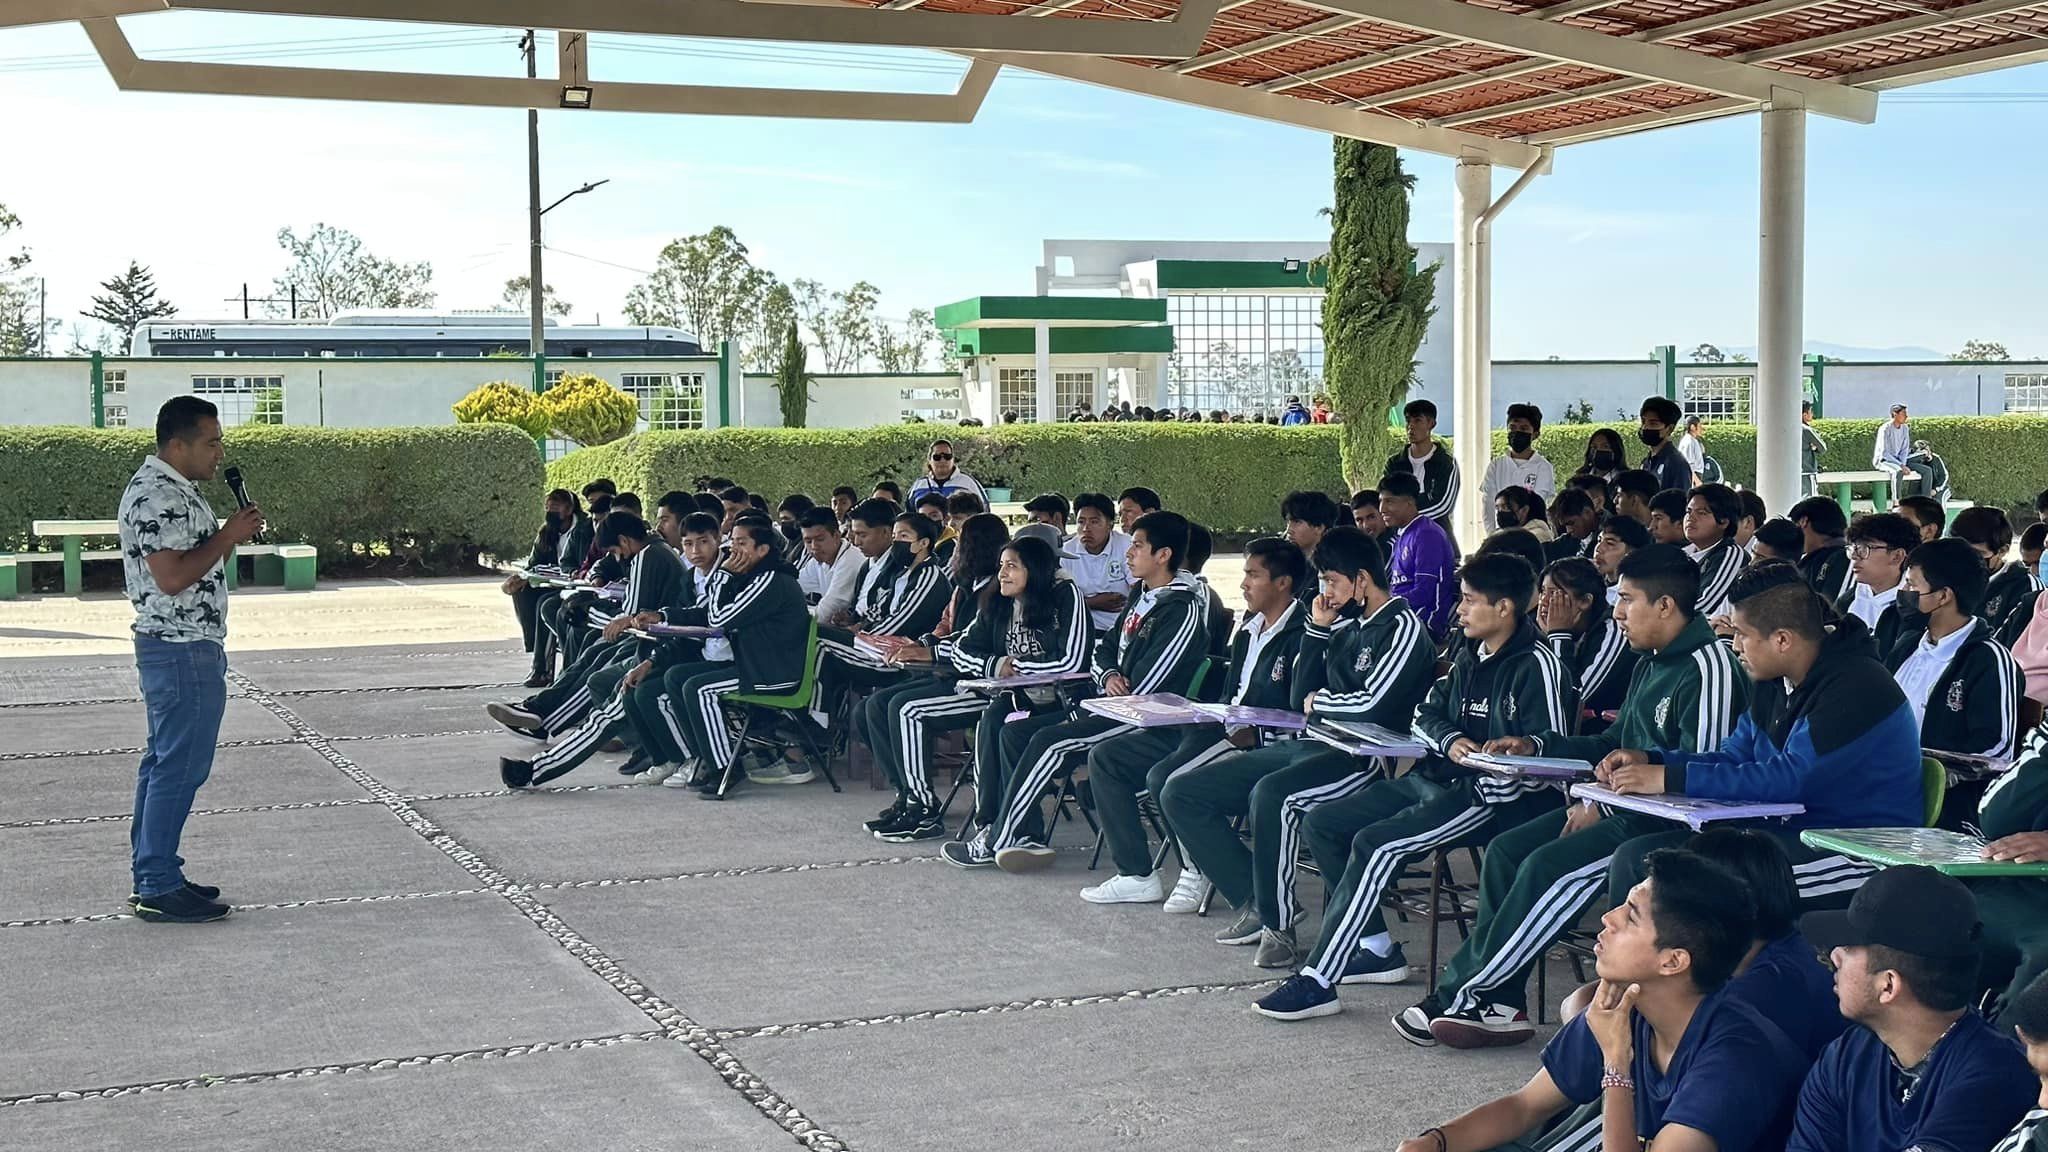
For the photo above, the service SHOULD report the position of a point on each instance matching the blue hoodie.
(1843, 743)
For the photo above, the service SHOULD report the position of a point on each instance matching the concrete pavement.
(420, 959)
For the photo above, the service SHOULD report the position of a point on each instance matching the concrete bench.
(295, 566)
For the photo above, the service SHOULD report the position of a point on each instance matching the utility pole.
(42, 316)
(537, 345)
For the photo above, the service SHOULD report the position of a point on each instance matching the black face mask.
(1908, 601)
(899, 555)
(1520, 441)
(1650, 436)
(1603, 461)
(793, 532)
(555, 521)
(1505, 519)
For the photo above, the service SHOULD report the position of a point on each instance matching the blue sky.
(1922, 229)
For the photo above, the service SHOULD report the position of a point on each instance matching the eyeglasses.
(1863, 551)
(942, 455)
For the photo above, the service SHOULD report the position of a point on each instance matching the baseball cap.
(1898, 407)
(1912, 909)
(1041, 531)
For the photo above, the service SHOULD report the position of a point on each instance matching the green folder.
(1952, 852)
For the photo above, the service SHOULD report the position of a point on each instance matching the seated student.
(1919, 1069)
(1663, 1057)
(1260, 674)
(1962, 685)
(1824, 555)
(1095, 559)
(1521, 465)
(656, 758)
(888, 490)
(2029, 1019)
(1878, 545)
(563, 538)
(754, 600)
(973, 575)
(1597, 489)
(1365, 658)
(1605, 457)
(1507, 682)
(1217, 618)
(1131, 503)
(1753, 516)
(1826, 728)
(655, 581)
(1517, 507)
(961, 506)
(906, 597)
(1537, 879)
(1050, 508)
(873, 535)
(1632, 492)
(932, 506)
(1580, 626)
(1366, 517)
(734, 502)
(1619, 536)
(2013, 816)
(2033, 545)
(1429, 463)
(1155, 645)
(831, 567)
(2009, 598)
(1711, 512)
(788, 520)
(1667, 517)
(1577, 524)
(567, 616)
(1926, 513)
(1308, 515)
(843, 500)
(1423, 560)
(1777, 539)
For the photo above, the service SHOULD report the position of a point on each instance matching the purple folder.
(1035, 680)
(698, 631)
(1157, 710)
(1691, 811)
(1241, 716)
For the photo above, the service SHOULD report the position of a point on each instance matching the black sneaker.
(888, 817)
(204, 891)
(917, 825)
(1414, 1021)
(639, 762)
(906, 817)
(516, 774)
(178, 907)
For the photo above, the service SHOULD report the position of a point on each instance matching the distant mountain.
(1839, 352)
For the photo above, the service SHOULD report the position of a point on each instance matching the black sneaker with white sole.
(919, 825)
(1483, 1026)
(1414, 1020)
(205, 892)
(888, 817)
(1368, 967)
(974, 853)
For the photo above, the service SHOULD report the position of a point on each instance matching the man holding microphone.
(172, 564)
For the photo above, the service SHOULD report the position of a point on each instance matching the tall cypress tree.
(1376, 303)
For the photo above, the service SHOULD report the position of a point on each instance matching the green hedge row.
(1229, 477)
(436, 495)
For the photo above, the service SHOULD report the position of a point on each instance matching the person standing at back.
(1430, 463)
(1521, 465)
(1659, 422)
(173, 557)
(943, 476)
(1810, 448)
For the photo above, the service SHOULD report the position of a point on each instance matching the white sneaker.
(1122, 889)
(683, 773)
(1188, 892)
(658, 773)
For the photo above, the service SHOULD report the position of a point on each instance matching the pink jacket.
(2030, 651)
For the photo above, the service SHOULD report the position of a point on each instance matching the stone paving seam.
(294, 694)
(1006, 1007)
(674, 1022)
(506, 1051)
(117, 817)
(261, 742)
(286, 906)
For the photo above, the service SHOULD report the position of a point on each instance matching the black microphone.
(233, 476)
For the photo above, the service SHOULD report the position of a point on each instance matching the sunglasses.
(942, 455)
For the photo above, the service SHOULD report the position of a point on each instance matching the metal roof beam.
(1541, 103)
(132, 73)
(1411, 51)
(1967, 63)
(1174, 39)
(22, 13)
(1321, 27)
(1163, 84)
(1536, 37)
(1719, 20)
(1918, 22)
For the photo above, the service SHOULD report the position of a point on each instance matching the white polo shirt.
(1096, 572)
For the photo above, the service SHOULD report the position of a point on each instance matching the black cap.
(1912, 909)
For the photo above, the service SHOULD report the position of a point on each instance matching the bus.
(405, 334)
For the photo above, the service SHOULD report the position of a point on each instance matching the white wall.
(1926, 389)
(851, 401)
(1556, 385)
(46, 392)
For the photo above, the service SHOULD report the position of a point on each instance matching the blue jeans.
(185, 688)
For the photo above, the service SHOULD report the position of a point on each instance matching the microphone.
(233, 476)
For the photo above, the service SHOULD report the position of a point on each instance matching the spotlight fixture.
(1290, 265)
(576, 96)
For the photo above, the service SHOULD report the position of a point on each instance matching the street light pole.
(537, 340)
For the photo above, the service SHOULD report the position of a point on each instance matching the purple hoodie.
(1423, 570)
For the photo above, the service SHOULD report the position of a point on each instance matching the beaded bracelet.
(1609, 1078)
(1443, 1143)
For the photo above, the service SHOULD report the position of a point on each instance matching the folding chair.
(798, 701)
(1934, 786)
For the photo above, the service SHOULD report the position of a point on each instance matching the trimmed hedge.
(1229, 477)
(435, 495)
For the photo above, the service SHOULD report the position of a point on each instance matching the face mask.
(899, 554)
(1650, 436)
(1603, 461)
(2043, 568)
(793, 532)
(1520, 441)
(554, 520)
(1909, 603)
(1505, 519)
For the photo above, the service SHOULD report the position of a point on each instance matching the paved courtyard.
(420, 959)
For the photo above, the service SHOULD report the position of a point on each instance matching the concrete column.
(1042, 349)
(1472, 399)
(1159, 381)
(1781, 300)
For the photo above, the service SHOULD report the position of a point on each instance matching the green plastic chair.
(797, 700)
(1934, 785)
(1195, 686)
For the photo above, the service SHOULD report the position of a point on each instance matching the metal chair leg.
(739, 745)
